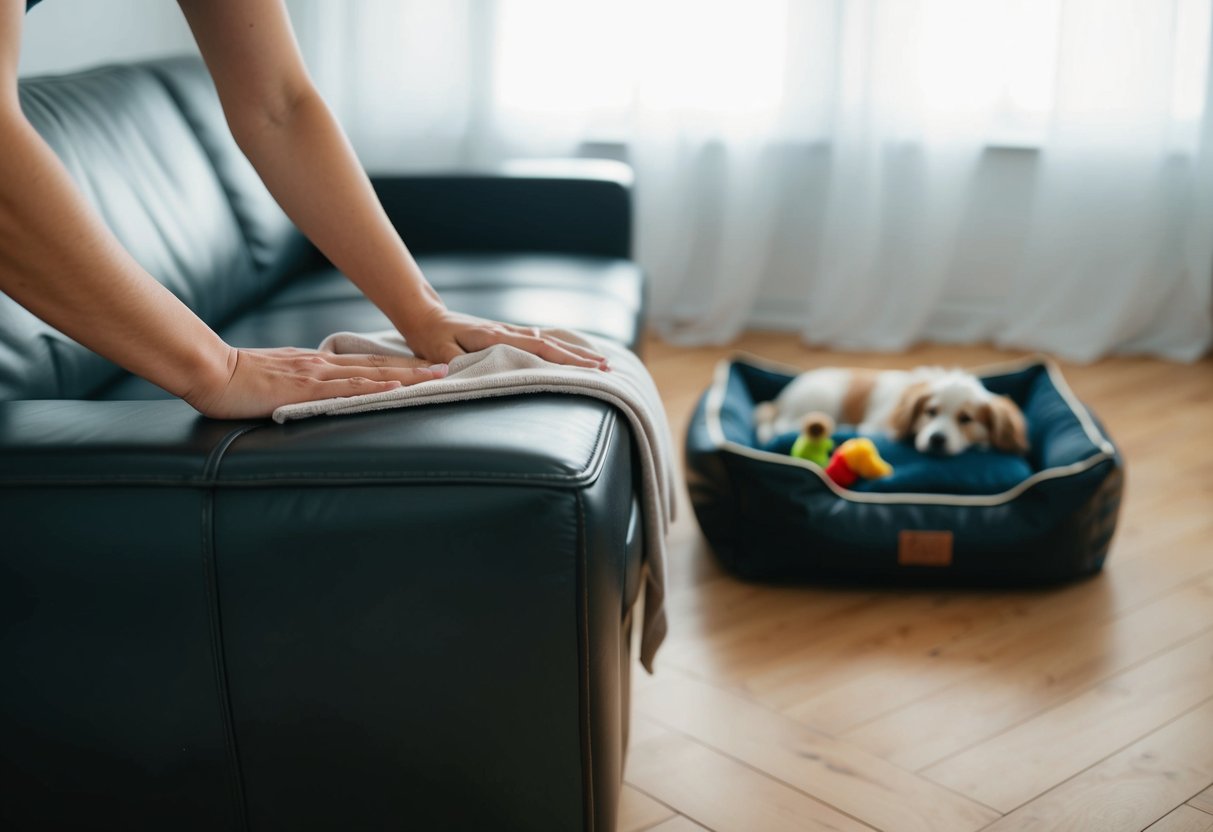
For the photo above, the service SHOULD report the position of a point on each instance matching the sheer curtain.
(1036, 173)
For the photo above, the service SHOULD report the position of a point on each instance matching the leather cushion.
(137, 161)
(273, 241)
(599, 295)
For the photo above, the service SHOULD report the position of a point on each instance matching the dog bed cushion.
(982, 516)
(976, 471)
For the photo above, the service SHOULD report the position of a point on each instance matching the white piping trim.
(715, 402)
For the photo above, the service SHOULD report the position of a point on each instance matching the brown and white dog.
(941, 411)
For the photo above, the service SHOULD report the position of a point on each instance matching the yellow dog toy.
(857, 458)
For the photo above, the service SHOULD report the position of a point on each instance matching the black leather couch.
(407, 620)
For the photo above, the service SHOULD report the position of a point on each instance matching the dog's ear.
(1008, 430)
(909, 407)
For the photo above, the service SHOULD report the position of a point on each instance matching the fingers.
(356, 372)
(361, 385)
(374, 360)
(449, 352)
(550, 350)
(346, 387)
(547, 348)
(331, 376)
(265, 379)
(400, 375)
(405, 375)
(400, 370)
(583, 352)
(576, 349)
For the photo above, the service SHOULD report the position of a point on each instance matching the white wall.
(63, 35)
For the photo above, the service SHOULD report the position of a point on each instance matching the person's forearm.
(303, 157)
(59, 261)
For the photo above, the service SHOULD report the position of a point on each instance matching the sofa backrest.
(274, 243)
(149, 149)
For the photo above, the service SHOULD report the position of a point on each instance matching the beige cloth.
(506, 371)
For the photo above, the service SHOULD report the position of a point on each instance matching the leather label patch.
(924, 548)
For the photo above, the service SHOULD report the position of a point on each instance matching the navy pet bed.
(980, 518)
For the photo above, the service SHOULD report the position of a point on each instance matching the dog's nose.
(937, 441)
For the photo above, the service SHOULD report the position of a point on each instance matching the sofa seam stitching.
(218, 651)
(218, 657)
(319, 477)
(210, 469)
(584, 627)
(421, 475)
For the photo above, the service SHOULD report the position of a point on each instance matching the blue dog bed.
(982, 517)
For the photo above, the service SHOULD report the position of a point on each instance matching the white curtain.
(1035, 173)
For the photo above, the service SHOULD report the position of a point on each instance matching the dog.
(941, 411)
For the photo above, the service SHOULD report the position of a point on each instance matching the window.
(793, 66)
(604, 62)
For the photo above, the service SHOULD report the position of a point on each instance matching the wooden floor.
(1088, 707)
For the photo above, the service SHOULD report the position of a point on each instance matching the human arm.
(58, 260)
(289, 135)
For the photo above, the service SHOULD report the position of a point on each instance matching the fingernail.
(439, 369)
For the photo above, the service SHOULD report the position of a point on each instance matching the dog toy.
(857, 459)
(814, 442)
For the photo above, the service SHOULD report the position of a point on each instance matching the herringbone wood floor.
(1088, 707)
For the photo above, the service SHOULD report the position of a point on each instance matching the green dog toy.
(814, 442)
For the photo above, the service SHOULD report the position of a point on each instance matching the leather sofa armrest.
(573, 206)
(286, 607)
(85, 442)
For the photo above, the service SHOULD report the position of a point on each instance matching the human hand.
(260, 380)
(440, 335)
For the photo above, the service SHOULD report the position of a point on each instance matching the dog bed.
(979, 518)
